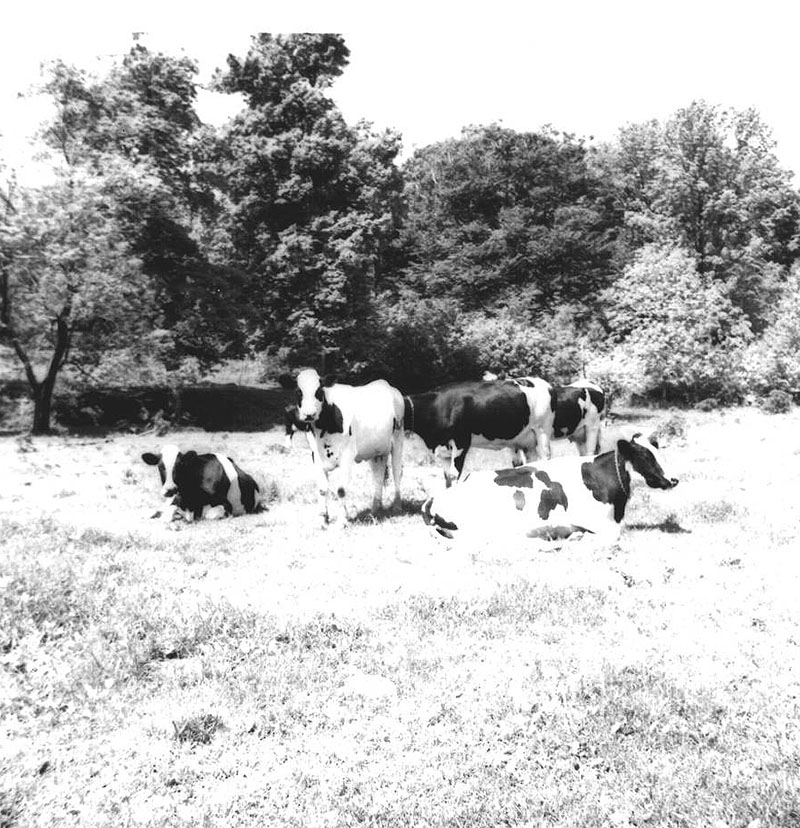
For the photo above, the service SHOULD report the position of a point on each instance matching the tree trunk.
(42, 392)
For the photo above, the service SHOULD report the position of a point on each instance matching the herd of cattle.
(538, 497)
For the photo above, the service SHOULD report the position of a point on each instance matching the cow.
(552, 499)
(204, 485)
(350, 424)
(521, 414)
(577, 414)
(493, 414)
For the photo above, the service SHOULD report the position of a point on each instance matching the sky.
(427, 69)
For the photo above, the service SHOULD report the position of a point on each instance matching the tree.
(311, 203)
(676, 324)
(71, 284)
(499, 219)
(142, 111)
(708, 180)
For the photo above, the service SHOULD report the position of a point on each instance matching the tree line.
(663, 262)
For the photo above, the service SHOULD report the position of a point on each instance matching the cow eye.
(299, 396)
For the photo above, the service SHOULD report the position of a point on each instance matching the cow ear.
(151, 459)
(328, 380)
(288, 380)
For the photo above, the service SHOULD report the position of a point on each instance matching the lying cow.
(521, 414)
(549, 499)
(204, 485)
(350, 424)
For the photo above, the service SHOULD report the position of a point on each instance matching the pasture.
(264, 670)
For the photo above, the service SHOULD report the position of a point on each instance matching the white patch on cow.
(169, 454)
(234, 496)
(309, 407)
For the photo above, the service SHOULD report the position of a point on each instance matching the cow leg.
(397, 465)
(346, 461)
(518, 457)
(543, 445)
(378, 466)
(591, 441)
(459, 457)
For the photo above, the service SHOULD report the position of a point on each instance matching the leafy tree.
(71, 284)
(311, 203)
(676, 324)
(142, 111)
(499, 219)
(708, 180)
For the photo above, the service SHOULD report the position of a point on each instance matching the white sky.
(430, 68)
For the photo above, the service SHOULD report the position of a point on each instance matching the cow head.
(166, 461)
(643, 456)
(311, 394)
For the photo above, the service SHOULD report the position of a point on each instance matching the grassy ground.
(267, 671)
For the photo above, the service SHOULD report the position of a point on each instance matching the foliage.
(504, 219)
(310, 203)
(773, 360)
(680, 327)
(708, 180)
(777, 402)
(71, 283)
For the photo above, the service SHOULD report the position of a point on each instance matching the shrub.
(708, 404)
(777, 402)
(673, 428)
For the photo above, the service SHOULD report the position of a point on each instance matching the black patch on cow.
(340, 491)
(442, 526)
(597, 397)
(519, 478)
(552, 495)
(330, 420)
(248, 488)
(601, 479)
(569, 413)
(519, 499)
(496, 410)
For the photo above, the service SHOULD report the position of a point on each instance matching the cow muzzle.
(169, 490)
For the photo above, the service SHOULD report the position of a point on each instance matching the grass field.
(267, 671)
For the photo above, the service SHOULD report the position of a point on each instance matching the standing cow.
(521, 414)
(350, 424)
(576, 412)
(204, 485)
(549, 499)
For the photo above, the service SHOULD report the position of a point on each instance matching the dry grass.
(268, 671)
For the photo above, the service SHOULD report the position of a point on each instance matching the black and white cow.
(521, 414)
(577, 414)
(350, 424)
(494, 414)
(550, 499)
(204, 485)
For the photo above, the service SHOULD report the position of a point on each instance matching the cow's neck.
(608, 481)
(330, 419)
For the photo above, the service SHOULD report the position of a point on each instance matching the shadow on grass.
(408, 507)
(669, 525)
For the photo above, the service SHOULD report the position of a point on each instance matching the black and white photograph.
(399, 415)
